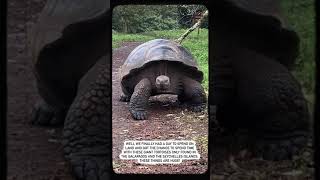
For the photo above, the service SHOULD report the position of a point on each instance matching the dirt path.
(166, 121)
(34, 153)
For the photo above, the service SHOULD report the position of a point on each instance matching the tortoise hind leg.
(43, 114)
(193, 94)
(125, 96)
(50, 110)
(87, 129)
(139, 99)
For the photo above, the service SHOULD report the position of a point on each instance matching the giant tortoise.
(69, 46)
(252, 87)
(161, 66)
(249, 78)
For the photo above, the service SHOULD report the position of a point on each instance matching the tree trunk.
(196, 25)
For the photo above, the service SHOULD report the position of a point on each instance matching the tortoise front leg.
(193, 94)
(139, 99)
(86, 133)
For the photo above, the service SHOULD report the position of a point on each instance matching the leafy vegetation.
(300, 16)
(196, 43)
(141, 18)
(145, 18)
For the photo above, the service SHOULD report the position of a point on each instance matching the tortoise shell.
(159, 50)
(260, 25)
(57, 15)
(67, 40)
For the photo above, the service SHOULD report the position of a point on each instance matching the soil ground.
(35, 153)
(167, 120)
(231, 159)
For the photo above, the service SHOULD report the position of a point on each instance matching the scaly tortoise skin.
(161, 66)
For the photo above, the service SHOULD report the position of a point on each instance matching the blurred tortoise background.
(250, 83)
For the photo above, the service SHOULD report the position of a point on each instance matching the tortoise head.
(163, 83)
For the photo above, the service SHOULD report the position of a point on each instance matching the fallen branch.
(196, 25)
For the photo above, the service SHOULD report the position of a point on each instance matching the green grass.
(117, 38)
(196, 44)
(300, 16)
